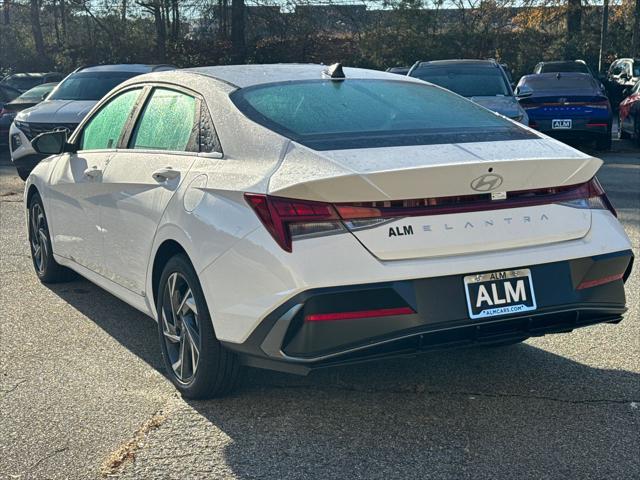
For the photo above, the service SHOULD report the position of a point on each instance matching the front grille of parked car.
(32, 130)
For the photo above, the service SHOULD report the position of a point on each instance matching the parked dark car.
(6, 95)
(26, 81)
(564, 66)
(629, 115)
(568, 106)
(28, 99)
(481, 81)
(622, 75)
(399, 70)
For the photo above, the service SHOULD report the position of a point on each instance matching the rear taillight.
(600, 105)
(590, 195)
(286, 219)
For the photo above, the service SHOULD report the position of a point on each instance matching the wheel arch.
(30, 193)
(167, 249)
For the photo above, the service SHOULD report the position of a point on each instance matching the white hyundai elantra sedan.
(296, 216)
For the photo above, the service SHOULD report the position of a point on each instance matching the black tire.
(604, 142)
(622, 135)
(184, 320)
(47, 269)
(23, 172)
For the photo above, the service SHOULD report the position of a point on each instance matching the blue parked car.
(567, 106)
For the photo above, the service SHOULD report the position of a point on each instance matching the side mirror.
(523, 91)
(44, 96)
(52, 143)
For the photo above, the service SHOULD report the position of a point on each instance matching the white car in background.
(66, 106)
(296, 216)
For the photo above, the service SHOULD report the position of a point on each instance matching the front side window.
(105, 127)
(167, 122)
(361, 113)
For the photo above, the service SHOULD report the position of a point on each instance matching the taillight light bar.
(474, 203)
(286, 219)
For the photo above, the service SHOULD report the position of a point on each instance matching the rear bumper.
(285, 341)
(582, 128)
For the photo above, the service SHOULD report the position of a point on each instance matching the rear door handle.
(92, 172)
(166, 173)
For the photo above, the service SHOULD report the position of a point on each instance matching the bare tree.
(238, 46)
(36, 27)
(635, 49)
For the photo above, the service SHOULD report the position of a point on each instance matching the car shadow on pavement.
(512, 412)
(129, 327)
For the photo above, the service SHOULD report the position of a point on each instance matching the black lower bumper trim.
(285, 341)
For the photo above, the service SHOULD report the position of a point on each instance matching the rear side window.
(105, 127)
(167, 122)
(361, 113)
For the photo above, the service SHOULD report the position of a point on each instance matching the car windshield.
(36, 93)
(365, 113)
(636, 69)
(465, 80)
(89, 85)
(23, 82)
(564, 67)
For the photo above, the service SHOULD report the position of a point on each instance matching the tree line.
(38, 35)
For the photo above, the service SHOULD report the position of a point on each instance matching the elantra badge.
(486, 182)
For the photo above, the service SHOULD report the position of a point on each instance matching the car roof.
(31, 74)
(460, 61)
(563, 61)
(125, 67)
(558, 75)
(243, 76)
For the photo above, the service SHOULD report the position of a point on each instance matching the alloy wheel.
(39, 237)
(181, 327)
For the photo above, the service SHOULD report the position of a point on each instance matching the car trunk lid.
(466, 182)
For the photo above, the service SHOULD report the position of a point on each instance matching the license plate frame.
(562, 124)
(500, 299)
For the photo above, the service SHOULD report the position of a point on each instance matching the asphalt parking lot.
(83, 394)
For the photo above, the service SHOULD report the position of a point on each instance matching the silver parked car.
(483, 81)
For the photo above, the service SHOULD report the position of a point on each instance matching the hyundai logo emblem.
(486, 182)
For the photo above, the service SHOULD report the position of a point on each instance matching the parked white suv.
(66, 106)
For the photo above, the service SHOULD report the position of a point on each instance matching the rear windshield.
(36, 93)
(327, 115)
(89, 85)
(564, 67)
(466, 80)
(575, 83)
